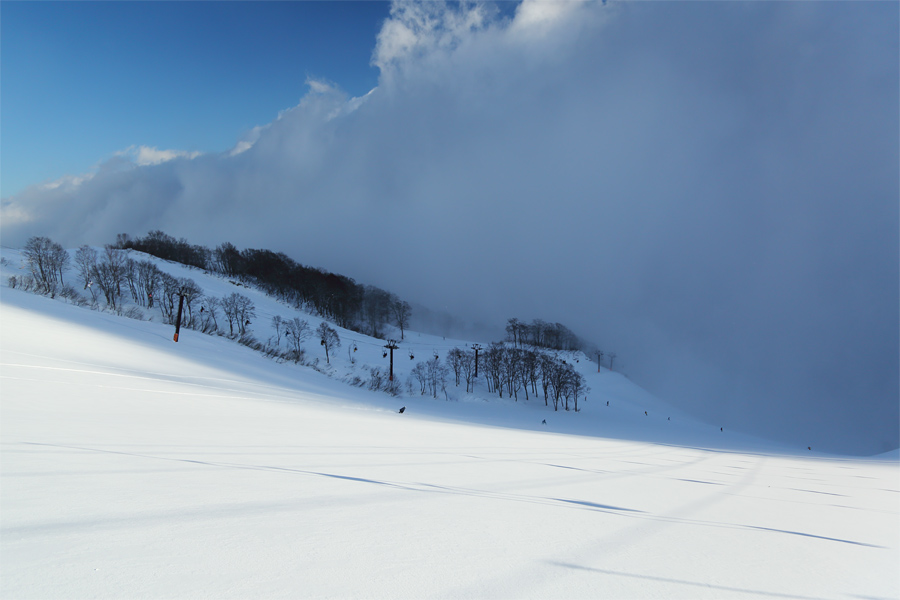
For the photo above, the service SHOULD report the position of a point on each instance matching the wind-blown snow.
(135, 467)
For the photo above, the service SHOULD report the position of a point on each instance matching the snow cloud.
(709, 189)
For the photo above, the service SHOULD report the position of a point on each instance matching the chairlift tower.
(392, 345)
(178, 318)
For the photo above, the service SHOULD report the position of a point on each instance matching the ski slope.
(135, 467)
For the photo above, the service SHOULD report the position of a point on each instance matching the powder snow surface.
(134, 467)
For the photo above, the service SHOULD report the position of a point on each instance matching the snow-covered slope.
(615, 406)
(133, 466)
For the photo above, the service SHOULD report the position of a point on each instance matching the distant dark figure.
(720, 429)
(607, 402)
(809, 448)
(670, 418)
(402, 409)
(645, 413)
(544, 422)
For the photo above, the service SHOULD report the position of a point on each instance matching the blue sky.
(82, 80)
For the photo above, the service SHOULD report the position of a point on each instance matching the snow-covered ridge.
(614, 406)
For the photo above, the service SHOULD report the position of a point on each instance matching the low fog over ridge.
(709, 189)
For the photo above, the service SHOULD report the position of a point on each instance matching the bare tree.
(123, 240)
(420, 373)
(167, 296)
(467, 364)
(455, 360)
(246, 311)
(229, 309)
(227, 259)
(86, 262)
(545, 364)
(514, 331)
(578, 386)
(492, 366)
(437, 375)
(59, 260)
(529, 367)
(296, 331)
(328, 338)
(191, 293)
(38, 258)
(510, 359)
(238, 309)
(47, 262)
(143, 279)
(232, 308)
(131, 278)
(278, 325)
(402, 311)
(556, 377)
(109, 274)
(149, 279)
(209, 308)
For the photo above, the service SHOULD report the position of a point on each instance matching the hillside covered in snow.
(135, 466)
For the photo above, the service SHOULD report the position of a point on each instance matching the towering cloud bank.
(710, 189)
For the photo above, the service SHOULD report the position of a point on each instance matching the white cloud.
(417, 28)
(15, 214)
(248, 140)
(320, 86)
(67, 182)
(149, 155)
(534, 15)
(241, 146)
